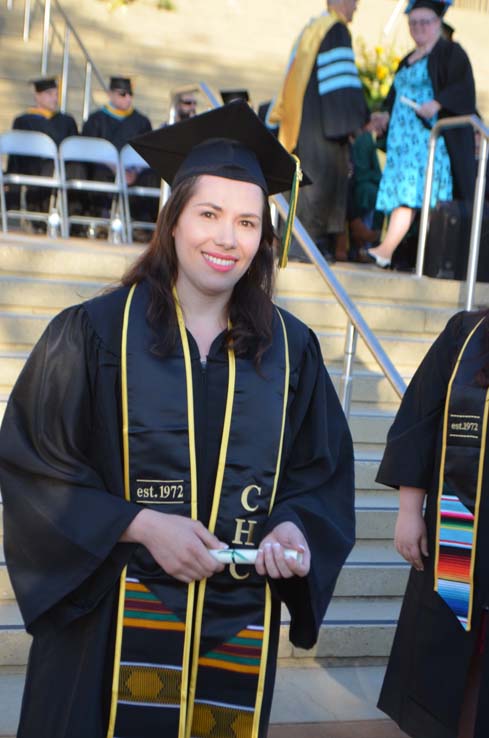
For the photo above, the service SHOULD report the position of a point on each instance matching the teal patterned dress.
(403, 178)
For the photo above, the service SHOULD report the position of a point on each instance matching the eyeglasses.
(422, 22)
(123, 93)
(188, 102)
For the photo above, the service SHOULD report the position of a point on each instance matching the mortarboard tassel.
(294, 193)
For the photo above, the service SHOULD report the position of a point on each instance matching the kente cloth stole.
(460, 481)
(287, 108)
(190, 661)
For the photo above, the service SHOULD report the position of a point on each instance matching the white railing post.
(87, 91)
(425, 210)
(27, 21)
(66, 69)
(475, 231)
(346, 381)
(45, 37)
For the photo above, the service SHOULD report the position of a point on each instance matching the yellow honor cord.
(294, 194)
(127, 496)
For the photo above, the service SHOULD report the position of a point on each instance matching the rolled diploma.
(247, 555)
(410, 103)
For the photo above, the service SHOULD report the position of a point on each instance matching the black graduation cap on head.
(230, 142)
(439, 7)
(44, 83)
(121, 83)
(230, 95)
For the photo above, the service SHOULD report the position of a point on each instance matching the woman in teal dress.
(436, 78)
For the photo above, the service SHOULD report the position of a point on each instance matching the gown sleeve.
(409, 455)
(456, 88)
(61, 523)
(317, 494)
(343, 108)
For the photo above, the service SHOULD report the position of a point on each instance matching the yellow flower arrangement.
(376, 68)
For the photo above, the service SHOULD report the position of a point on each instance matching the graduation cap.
(44, 83)
(439, 7)
(229, 142)
(230, 95)
(121, 83)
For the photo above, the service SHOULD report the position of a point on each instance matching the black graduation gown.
(428, 665)
(327, 121)
(454, 88)
(101, 124)
(58, 127)
(119, 132)
(62, 484)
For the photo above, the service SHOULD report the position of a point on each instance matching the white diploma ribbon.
(410, 103)
(247, 555)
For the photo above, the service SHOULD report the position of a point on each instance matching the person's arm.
(314, 507)
(410, 453)
(179, 545)
(410, 536)
(455, 86)
(271, 560)
(62, 522)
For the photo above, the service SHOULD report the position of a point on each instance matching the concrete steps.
(39, 277)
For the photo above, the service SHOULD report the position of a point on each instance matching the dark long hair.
(250, 309)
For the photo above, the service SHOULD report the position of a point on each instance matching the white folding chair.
(90, 150)
(32, 144)
(130, 159)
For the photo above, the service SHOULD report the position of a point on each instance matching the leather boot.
(362, 235)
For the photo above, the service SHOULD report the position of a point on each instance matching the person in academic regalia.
(43, 117)
(438, 672)
(179, 413)
(437, 76)
(118, 121)
(320, 104)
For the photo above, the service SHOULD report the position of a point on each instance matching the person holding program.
(178, 418)
(434, 81)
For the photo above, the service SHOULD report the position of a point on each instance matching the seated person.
(118, 122)
(185, 106)
(44, 117)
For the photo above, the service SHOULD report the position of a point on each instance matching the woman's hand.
(270, 559)
(410, 536)
(379, 122)
(179, 545)
(428, 109)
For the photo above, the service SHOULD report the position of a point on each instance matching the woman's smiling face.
(218, 234)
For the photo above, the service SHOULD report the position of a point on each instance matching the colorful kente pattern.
(214, 720)
(149, 685)
(241, 653)
(142, 609)
(455, 555)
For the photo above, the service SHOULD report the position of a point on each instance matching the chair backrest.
(86, 148)
(130, 158)
(28, 143)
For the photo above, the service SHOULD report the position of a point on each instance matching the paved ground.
(349, 729)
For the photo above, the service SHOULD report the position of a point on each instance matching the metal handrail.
(65, 40)
(478, 207)
(353, 314)
(356, 324)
